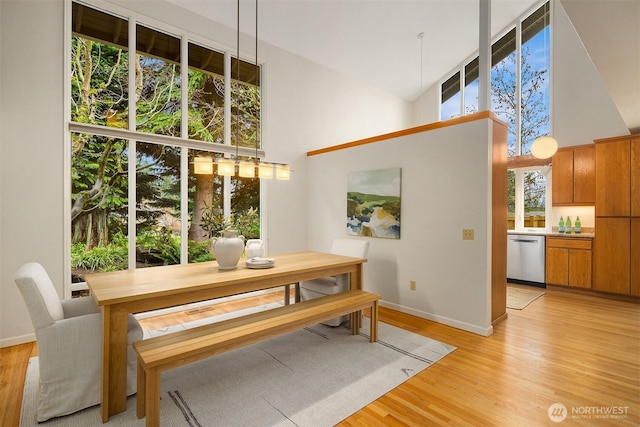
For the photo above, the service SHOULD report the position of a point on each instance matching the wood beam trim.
(423, 128)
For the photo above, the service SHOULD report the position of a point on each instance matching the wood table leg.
(287, 290)
(141, 391)
(373, 323)
(114, 362)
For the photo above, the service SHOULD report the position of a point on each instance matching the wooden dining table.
(120, 293)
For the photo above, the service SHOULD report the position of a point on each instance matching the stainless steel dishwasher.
(526, 258)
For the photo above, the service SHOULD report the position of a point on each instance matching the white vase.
(227, 249)
(254, 248)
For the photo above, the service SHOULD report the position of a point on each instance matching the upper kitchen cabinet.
(574, 176)
(635, 176)
(613, 182)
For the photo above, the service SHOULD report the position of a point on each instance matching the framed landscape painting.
(373, 203)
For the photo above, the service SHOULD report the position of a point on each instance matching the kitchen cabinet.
(635, 177)
(616, 247)
(635, 256)
(613, 184)
(611, 247)
(574, 176)
(569, 261)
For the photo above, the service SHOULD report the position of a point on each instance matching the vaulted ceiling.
(377, 40)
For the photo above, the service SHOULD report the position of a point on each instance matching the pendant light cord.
(257, 82)
(237, 80)
(421, 37)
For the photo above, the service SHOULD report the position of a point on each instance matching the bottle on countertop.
(578, 225)
(567, 226)
(561, 226)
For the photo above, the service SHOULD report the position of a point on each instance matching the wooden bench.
(176, 349)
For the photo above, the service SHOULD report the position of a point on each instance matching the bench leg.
(152, 398)
(140, 393)
(373, 322)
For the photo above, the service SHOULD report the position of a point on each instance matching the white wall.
(31, 154)
(306, 106)
(445, 188)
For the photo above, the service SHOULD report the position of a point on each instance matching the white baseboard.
(23, 339)
(476, 329)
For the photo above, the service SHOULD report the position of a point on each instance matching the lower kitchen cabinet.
(612, 257)
(568, 261)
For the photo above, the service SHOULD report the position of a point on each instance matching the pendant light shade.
(265, 171)
(282, 172)
(544, 147)
(247, 169)
(203, 166)
(226, 167)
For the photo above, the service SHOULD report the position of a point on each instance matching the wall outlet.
(412, 285)
(467, 234)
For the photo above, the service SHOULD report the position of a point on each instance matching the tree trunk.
(202, 200)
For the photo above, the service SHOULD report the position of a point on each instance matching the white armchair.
(315, 288)
(69, 340)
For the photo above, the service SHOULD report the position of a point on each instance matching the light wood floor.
(577, 350)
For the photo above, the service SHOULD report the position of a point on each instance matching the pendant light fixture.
(244, 168)
(544, 147)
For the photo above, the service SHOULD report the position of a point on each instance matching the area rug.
(518, 298)
(313, 377)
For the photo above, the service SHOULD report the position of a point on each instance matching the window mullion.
(226, 199)
(518, 89)
(132, 196)
(184, 152)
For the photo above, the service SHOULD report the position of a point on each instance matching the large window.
(135, 131)
(520, 65)
(520, 62)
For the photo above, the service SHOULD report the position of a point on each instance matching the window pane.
(245, 206)
(450, 105)
(471, 82)
(99, 202)
(511, 199)
(157, 205)
(245, 105)
(206, 207)
(503, 85)
(535, 67)
(158, 82)
(99, 93)
(535, 187)
(206, 94)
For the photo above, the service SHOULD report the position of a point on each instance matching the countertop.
(587, 233)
